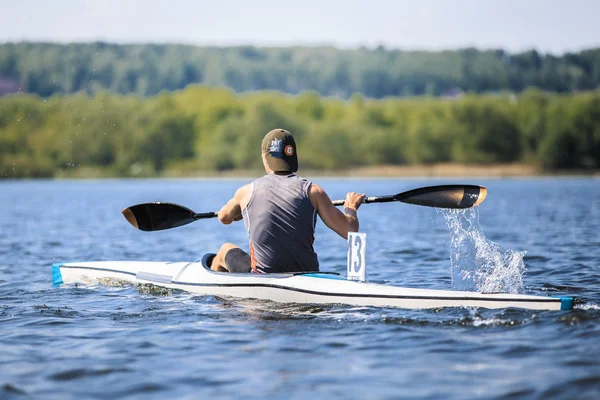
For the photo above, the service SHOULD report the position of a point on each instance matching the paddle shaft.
(214, 214)
(374, 199)
(211, 214)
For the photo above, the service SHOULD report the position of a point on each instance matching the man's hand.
(353, 201)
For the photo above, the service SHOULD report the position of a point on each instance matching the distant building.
(9, 86)
(454, 93)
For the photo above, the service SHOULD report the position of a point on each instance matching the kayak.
(306, 288)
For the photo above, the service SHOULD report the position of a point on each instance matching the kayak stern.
(566, 303)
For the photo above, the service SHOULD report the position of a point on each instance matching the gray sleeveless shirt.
(280, 220)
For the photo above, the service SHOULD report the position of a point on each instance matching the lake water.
(60, 342)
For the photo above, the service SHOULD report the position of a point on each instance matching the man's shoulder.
(306, 180)
(244, 191)
(317, 195)
(315, 188)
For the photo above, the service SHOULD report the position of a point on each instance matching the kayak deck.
(313, 288)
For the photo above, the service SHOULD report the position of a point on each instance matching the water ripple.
(123, 341)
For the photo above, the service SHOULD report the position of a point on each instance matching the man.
(280, 212)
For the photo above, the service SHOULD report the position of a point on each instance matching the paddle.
(159, 215)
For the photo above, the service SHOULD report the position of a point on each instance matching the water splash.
(587, 306)
(478, 264)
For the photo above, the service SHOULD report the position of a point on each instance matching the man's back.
(280, 220)
(280, 212)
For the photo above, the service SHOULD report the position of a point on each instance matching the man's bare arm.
(339, 222)
(232, 211)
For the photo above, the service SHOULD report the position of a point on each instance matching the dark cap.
(279, 148)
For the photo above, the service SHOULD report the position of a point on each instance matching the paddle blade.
(158, 216)
(445, 196)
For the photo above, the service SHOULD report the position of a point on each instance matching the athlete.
(279, 212)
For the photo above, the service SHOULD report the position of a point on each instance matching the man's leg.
(218, 263)
(231, 258)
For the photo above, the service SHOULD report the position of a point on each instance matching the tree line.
(213, 129)
(48, 68)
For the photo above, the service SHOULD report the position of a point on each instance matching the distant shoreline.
(450, 170)
(407, 171)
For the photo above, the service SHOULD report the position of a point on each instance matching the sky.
(549, 26)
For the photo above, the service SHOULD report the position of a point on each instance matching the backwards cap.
(279, 148)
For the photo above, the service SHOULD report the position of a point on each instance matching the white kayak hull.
(310, 288)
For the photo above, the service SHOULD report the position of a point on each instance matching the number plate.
(357, 250)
